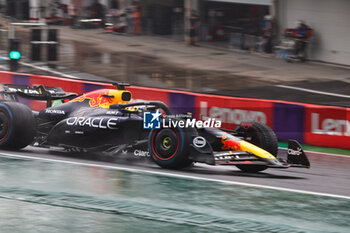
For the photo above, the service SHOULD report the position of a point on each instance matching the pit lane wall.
(310, 124)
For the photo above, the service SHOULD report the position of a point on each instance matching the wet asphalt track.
(327, 175)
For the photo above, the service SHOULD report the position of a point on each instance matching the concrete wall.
(330, 20)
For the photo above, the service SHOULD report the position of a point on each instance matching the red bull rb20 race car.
(108, 122)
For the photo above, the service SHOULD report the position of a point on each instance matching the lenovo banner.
(327, 126)
(232, 111)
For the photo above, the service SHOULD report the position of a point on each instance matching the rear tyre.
(262, 136)
(169, 148)
(17, 125)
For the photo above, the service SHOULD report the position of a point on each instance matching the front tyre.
(169, 147)
(17, 125)
(262, 136)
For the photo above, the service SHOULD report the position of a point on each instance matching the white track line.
(177, 175)
(50, 70)
(314, 91)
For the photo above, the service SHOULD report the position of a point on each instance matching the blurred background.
(227, 23)
(231, 47)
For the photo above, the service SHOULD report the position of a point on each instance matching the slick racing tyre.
(17, 125)
(169, 147)
(262, 136)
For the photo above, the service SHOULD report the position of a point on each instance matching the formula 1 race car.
(106, 121)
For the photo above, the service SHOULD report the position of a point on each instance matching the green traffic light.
(15, 55)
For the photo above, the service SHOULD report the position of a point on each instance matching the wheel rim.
(165, 144)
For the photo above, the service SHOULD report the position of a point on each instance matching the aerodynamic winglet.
(296, 155)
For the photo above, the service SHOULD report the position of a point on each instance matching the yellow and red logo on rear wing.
(104, 98)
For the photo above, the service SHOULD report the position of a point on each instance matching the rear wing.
(11, 92)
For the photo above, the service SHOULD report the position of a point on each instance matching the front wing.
(295, 157)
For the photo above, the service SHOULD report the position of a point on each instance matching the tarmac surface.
(328, 174)
(164, 63)
(49, 192)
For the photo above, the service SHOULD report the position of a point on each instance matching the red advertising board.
(68, 85)
(327, 126)
(6, 77)
(232, 111)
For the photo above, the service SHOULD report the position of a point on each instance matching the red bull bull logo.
(230, 144)
(96, 98)
(100, 101)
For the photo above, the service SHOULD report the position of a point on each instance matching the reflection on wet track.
(42, 196)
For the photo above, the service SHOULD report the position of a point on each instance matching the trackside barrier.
(21, 80)
(327, 126)
(310, 124)
(182, 103)
(232, 111)
(289, 121)
(6, 77)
